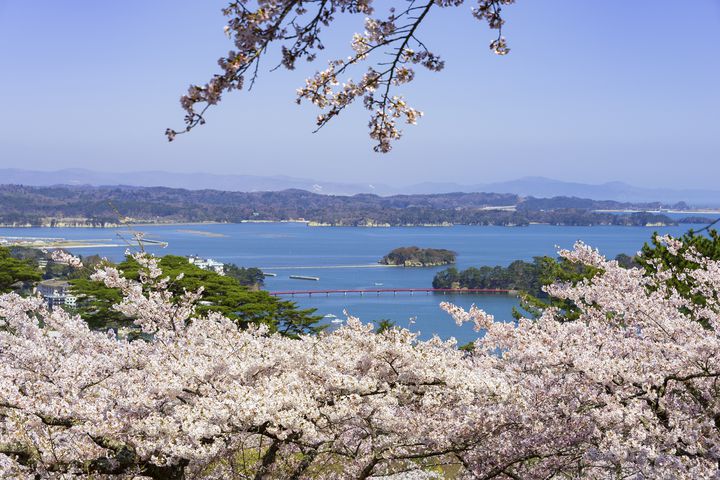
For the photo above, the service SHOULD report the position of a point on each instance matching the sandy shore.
(201, 233)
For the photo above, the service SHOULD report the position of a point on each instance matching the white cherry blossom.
(628, 390)
(391, 44)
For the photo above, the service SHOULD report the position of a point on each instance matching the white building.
(208, 264)
(56, 292)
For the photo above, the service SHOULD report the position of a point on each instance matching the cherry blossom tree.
(390, 45)
(627, 390)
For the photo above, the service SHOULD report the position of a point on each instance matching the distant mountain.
(618, 191)
(547, 187)
(527, 186)
(22, 205)
(190, 181)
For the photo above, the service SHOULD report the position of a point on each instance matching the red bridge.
(394, 291)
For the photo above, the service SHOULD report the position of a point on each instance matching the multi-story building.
(56, 292)
(208, 264)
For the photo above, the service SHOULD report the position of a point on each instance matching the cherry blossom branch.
(253, 31)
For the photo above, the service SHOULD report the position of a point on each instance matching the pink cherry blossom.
(628, 390)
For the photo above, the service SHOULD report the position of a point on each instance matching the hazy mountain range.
(527, 186)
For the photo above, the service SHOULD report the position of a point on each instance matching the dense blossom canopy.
(628, 390)
(389, 43)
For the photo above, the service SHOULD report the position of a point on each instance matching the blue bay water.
(346, 258)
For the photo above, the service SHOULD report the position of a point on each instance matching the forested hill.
(78, 205)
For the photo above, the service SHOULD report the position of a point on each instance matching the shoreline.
(99, 245)
(119, 226)
(687, 212)
(307, 223)
(180, 224)
(55, 245)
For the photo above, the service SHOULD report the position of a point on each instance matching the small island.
(418, 257)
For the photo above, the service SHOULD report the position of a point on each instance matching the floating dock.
(304, 277)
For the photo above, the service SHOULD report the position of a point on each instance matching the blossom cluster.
(391, 43)
(628, 390)
(63, 257)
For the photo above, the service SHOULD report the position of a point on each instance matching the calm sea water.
(346, 258)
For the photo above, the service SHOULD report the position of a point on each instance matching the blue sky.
(592, 91)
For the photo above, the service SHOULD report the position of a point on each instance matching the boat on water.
(330, 315)
(337, 320)
(378, 284)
